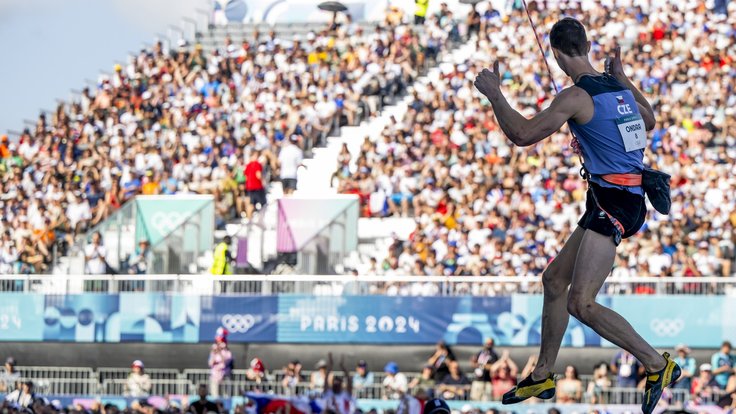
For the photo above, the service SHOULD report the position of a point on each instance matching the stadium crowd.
(185, 121)
(491, 373)
(484, 207)
(228, 121)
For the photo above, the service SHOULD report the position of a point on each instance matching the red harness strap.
(626, 180)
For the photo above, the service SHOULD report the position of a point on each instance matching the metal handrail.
(448, 285)
(368, 278)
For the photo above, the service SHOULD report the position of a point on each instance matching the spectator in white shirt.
(659, 262)
(395, 383)
(94, 254)
(290, 159)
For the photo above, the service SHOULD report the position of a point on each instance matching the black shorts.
(628, 208)
(257, 197)
(418, 19)
(289, 183)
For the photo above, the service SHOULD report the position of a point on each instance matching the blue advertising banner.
(697, 321)
(128, 317)
(21, 317)
(510, 320)
(247, 318)
(513, 320)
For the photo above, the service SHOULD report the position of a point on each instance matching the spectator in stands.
(439, 360)
(203, 405)
(9, 256)
(24, 396)
(705, 385)
(723, 364)
(455, 385)
(688, 366)
(182, 120)
(503, 375)
(569, 388)
(338, 397)
(412, 404)
(139, 261)
(395, 382)
(292, 376)
(94, 255)
(138, 383)
(257, 371)
(446, 126)
(254, 184)
(600, 383)
(290, 159)
(481, 364)
(9, 376)
(222, 258)
(424, 381)
(220, 362)
(317, 378)
(627, 369)
(363, 378)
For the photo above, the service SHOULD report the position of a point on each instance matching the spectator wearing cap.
(24, 396)
(704, 385)
(688, 366)
(220, 362)
(363, 378)
(139, 261)
(9, 376)
(256, 372)
(317, 379)
(723, 363)
(138, 383)
(395, 383)
(290, 159)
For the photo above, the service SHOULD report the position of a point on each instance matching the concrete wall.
(274, 356)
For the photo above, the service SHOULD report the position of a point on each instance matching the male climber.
(609, 117)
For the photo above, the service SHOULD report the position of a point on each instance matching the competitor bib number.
(633, 132)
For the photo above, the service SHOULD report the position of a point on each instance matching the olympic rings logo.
(238, 323)
(667, 327)
(165, 222)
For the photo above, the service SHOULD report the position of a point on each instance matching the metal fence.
(113, 374)
(112, 381)
(337, 285)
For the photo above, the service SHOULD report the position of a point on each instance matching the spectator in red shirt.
(254, 184)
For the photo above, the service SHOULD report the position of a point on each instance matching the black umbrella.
(333, 6)
(473, 2)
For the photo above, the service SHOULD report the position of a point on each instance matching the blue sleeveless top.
(600, 140)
